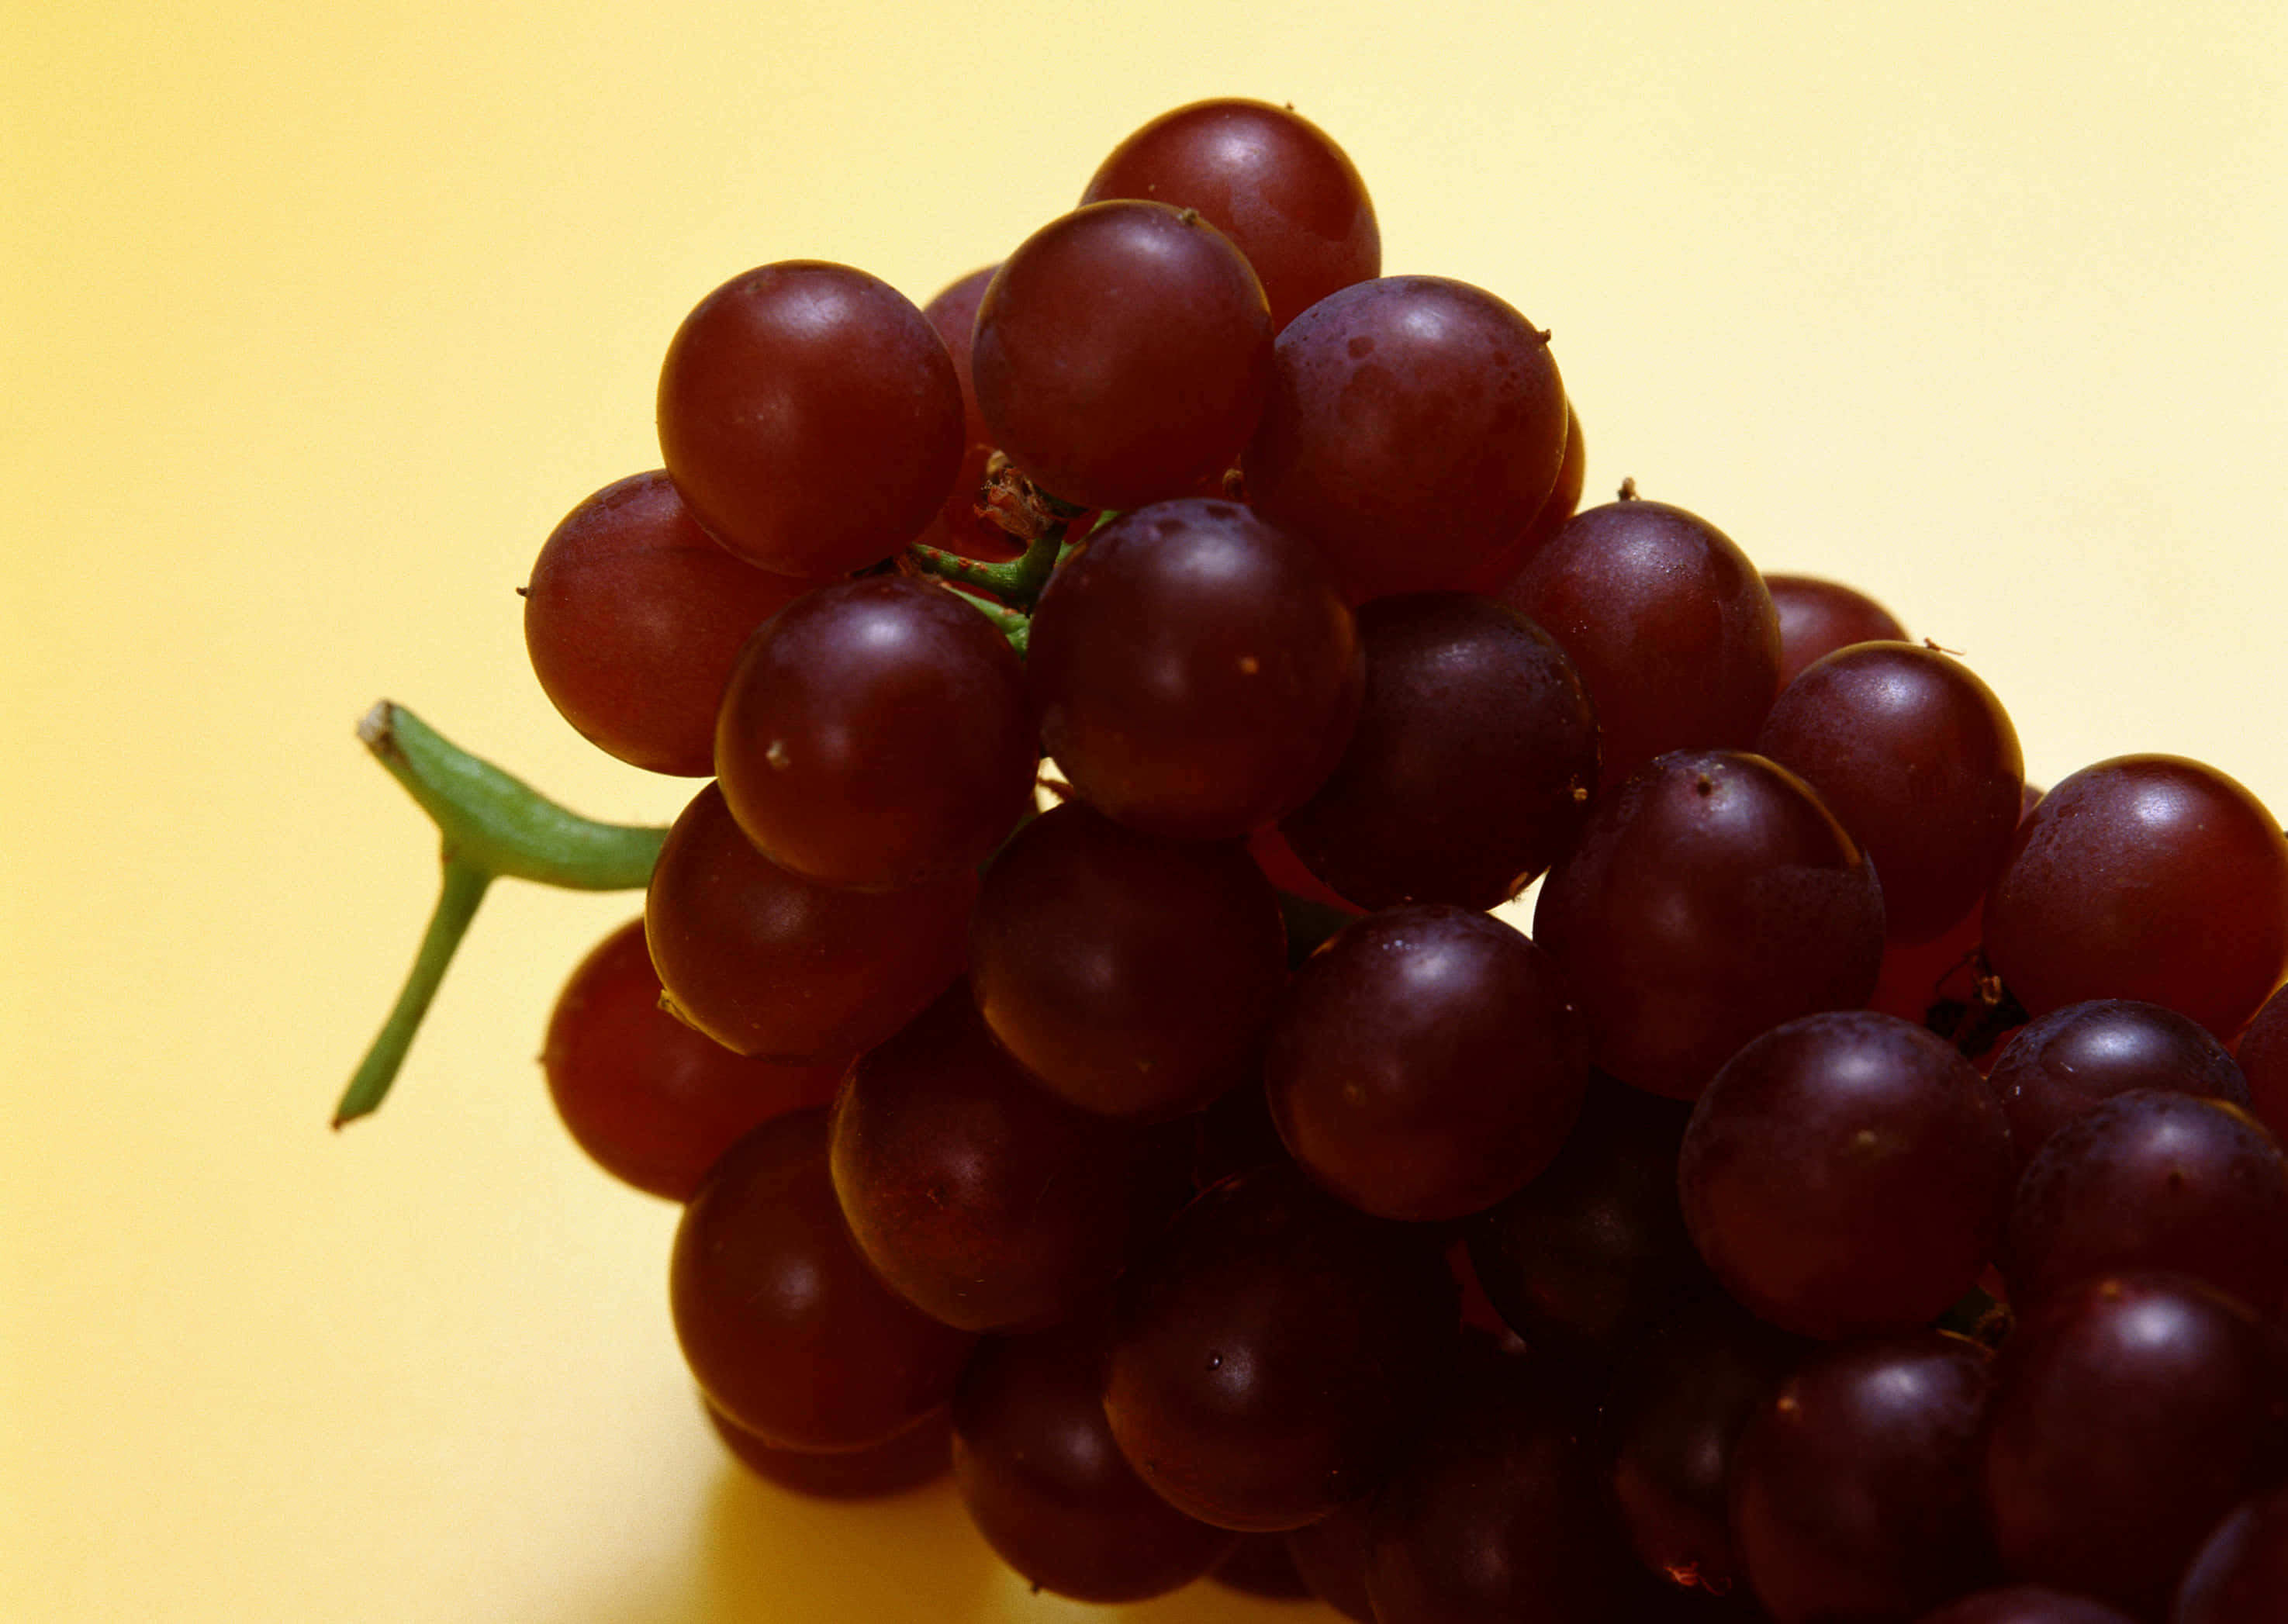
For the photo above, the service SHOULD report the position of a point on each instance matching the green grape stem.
(492, 826)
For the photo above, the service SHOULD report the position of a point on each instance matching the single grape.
(921, 1453)
(876, 735)
(1194, 672)
(2132, 1412)
(1854, 1486)
(1415, 426)
(1274, 1351)
(977, 1196)
(1122, 354)
(1818, 617)
(1470, 768)
(1915, 756)
(1426, 1062)
(1847, 1174)
(1042, 1479)
(1132, 976)
(2150, 877)
(766, 962)
(2154, 1179)
(784, 1326)
(2063, 1063)
(1675, 636)
(810, 417)
(652, 1101)
(633, 617)
(1268, 178)
(1710, 898)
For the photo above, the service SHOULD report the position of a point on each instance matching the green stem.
(456, 905)
(493, 825)
(1016, 582)
(1015, 624)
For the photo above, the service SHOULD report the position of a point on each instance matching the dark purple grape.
(1917, 759)
(2150, 877)
(1195, 674)
(921, 1453)
(1854, 1484)
(766, 962)
(1494, 1516)
(633, 617)
(1132, 976)
(876, 735)
(1040, 1476)
(2240, 1574)
(1471, 765)
(1274, 1351)
(1818, 617)
(1664, 1441)
(1674, 632)
(2063, 1063)
(1592, 1254)
(1268, 178)
(1122, 354)
(650, 1100)
(1847, 1174)
(2154, 1179)
(981, 1199)
(2131, 1414)
(1415, 426)
(1710, 898)
(785, 1328)
(1426, 1062)
(810, 417)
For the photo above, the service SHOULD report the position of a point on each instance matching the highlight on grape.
(1072, 1016)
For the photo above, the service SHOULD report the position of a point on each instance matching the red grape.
(1132, 976)
(1266, 177)
(1196, 673)
(768, 962)
(1710, 898)
(784, 1326)
(1847, 1174)
(876, 735)
(1416, 424)
(1122, 354)
(633, 617)
(651, 1100)
(810, 417)
(1818, 617)
(2150, 877)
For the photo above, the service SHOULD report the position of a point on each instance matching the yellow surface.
(313, 321)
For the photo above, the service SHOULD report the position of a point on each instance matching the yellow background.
(313, 322)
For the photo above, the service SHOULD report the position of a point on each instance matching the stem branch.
(493, 825)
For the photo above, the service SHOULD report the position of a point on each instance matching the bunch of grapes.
(1075, 1021)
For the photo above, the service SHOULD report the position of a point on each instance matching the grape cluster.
(1074, 1019)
